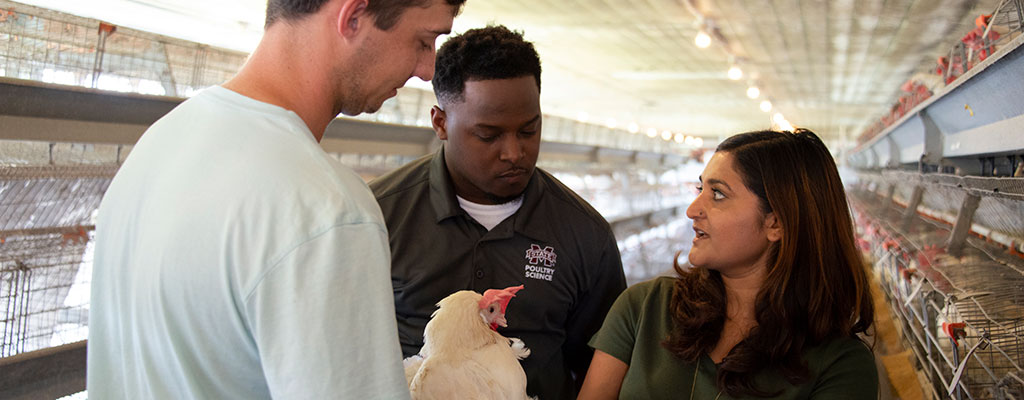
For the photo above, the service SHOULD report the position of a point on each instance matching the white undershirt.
(490, 215)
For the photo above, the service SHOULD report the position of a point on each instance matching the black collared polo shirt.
(556, 245)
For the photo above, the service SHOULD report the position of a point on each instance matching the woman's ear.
(772, 227)
(438, 119)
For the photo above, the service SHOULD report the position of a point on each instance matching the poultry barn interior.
(920, 102)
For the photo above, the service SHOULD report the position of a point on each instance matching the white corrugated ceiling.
(832, 66)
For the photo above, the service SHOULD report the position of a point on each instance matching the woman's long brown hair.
(816, 287)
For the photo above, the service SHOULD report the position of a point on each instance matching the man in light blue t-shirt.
(234, 258)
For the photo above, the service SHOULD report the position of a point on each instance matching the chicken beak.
(500, 320)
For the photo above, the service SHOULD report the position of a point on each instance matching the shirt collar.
(442, 190)
(532, 219)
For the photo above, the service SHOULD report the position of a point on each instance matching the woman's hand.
(604, 378)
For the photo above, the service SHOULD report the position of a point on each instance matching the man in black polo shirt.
(478, 215)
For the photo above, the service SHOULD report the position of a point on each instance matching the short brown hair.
(385, 12)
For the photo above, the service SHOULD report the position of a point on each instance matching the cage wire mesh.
(976, 297)
(46, 212)
(45, 253)
(48, 46)
(1003, 25)
(43, 45)
(648, 252)
(36, 45)
(1009, 14)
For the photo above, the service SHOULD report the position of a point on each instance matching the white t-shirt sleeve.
(323, 319)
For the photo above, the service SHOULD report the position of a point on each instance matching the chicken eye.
(492, 309)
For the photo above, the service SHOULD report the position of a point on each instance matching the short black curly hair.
(494, 52)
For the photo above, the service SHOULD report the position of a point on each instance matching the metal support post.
(956, 362)
(890, 198)
(911, 211)
(167, 75)
(1020, 14)
(963, 224)
(198, 66)
(932, 142)
(97, 67)
(894, 153)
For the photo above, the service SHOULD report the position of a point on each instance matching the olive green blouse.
(640, 320)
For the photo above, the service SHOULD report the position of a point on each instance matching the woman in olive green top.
(775, 299)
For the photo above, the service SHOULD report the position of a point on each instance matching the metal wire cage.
(962, 315)
(991, 33)
(43, 45)
(46, 212)
(45, 253)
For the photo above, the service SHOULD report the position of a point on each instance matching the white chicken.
(463, 356)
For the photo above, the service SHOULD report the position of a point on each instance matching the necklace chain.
(694, 384)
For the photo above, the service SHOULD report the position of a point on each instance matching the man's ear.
(352, 17)
(438, 119)
(772, 227)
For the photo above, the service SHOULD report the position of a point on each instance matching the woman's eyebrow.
(719, 182)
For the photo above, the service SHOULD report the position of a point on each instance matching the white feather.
(462, 358)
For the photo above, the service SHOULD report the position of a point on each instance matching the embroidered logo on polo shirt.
(535, 257)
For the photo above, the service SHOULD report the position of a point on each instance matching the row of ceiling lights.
(703, 40)
(652, 133)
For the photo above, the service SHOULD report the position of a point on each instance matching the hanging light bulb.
(611, 123)
(679, 138)
(786, 126)
(633, 128)
(753, 92)
(735, 73)
(702, 40)
(698, 142)
(781, 122)
(583, 117)
(666, 135)
(651, 132)
(766, 106)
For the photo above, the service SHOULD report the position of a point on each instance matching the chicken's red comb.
(502, 296)
(982, 20)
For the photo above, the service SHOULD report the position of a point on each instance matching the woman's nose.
(694, 210)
